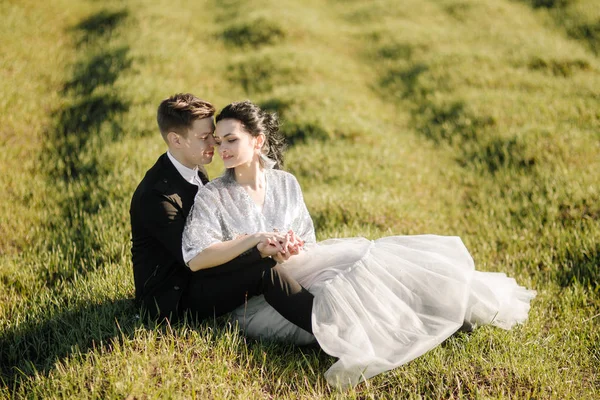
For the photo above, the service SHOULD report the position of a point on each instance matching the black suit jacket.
(159, 208)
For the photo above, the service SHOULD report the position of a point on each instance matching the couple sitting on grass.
(245, 244)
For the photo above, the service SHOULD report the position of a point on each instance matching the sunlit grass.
(471, 118)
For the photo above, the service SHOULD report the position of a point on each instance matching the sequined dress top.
(223, 210)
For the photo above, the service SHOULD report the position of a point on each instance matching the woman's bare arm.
(222, 252)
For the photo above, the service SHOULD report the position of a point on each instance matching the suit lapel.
(203, 178)
(173, 186)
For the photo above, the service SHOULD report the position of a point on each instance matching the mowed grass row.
(477, 119)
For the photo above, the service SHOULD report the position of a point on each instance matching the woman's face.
(236, 145)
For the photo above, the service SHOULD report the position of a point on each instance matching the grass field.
(457, 117)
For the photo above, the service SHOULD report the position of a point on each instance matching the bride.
(377, 304)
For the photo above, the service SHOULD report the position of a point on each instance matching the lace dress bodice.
(223, 210)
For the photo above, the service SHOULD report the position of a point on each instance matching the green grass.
(458, 117)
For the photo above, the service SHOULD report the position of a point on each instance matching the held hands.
(279, 246)
(293, 244)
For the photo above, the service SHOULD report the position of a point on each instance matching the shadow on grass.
(403, 81)
(396, 51)
(300, 132)
(295, 131)
(90, 121)
(454, 124)
(99, 25)
(253, 33)
(276, 105)
(75, 126)
(495, 154)
(35, 347)
(84, 117)
(459, 10)
(579, 266)
(549, 3)
(100, 70)
(587, 32)
(259, 74)
(451, 122)
(308, 363)
(562, 68)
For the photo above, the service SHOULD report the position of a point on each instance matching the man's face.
(198, 147)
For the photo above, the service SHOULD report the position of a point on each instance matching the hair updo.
(257, 121)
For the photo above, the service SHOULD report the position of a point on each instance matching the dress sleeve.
(303, 224)
(203, 226)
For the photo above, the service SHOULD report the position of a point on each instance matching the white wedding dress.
(378, 304)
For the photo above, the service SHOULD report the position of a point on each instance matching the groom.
(164, 286)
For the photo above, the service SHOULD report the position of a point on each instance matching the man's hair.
(178, 112)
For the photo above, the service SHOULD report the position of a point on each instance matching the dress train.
(379, 304)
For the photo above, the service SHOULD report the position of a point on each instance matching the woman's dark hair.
(257, 121)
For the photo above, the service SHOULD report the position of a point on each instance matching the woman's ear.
(260, 141)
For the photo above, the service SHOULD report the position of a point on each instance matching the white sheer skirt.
(379, 304)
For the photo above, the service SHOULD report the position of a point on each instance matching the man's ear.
(174, 139)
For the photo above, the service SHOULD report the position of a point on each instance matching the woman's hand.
(295, 244)
(270, 244)
(280, 246)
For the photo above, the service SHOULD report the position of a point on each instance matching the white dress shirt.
(189, 174)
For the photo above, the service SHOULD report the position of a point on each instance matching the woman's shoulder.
(285, 180)
(283, 175)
